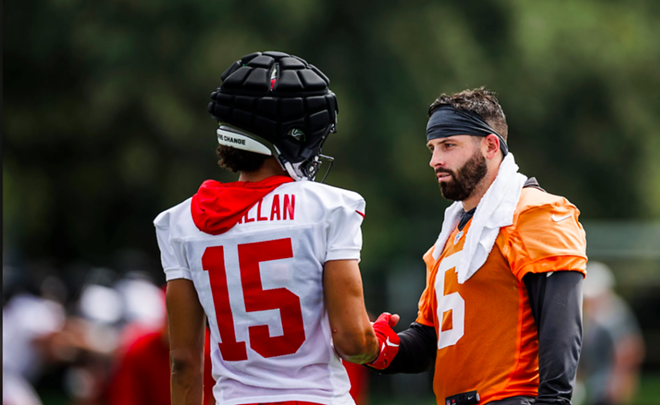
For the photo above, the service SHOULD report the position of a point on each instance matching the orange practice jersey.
(487, 338)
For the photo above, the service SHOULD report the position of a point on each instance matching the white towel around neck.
(494, 211)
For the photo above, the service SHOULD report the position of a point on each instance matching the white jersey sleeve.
(172, 255)
(344, 234)
(261, 287)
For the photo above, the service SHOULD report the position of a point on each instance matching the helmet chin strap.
(306, 170)
(295, 170)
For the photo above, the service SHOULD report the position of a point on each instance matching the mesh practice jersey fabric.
(261, 287)
(487, 338)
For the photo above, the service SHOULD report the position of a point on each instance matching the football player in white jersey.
(271, 260)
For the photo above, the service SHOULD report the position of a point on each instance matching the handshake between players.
(270, 261)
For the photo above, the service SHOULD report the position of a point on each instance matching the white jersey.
(261, 286)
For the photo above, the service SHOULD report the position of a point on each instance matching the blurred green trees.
(105, 120)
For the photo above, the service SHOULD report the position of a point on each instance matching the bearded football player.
(271, 260)
(500, 318)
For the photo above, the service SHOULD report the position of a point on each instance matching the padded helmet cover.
(280, 98)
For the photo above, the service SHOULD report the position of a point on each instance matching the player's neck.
(269, 168)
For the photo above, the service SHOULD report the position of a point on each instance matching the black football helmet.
(276, 104)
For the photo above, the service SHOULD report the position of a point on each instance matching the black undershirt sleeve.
(556, 303)
(417, 350)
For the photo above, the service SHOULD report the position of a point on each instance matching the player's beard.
(465, 179)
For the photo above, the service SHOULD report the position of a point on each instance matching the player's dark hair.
(238, 160)
(480, 101)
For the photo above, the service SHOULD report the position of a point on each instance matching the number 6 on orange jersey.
(451, 307)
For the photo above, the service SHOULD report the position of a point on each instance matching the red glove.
(388, 341)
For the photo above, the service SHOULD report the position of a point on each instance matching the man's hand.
(388, 340)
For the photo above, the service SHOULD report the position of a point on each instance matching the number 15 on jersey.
(250, 255)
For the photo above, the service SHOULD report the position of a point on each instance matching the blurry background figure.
(97, 320)
(30, 319)
(115, 314)
(141, 375)
(613, 349)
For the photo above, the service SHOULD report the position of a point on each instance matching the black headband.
(449, 121)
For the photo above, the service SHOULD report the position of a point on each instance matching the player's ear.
(491, 145)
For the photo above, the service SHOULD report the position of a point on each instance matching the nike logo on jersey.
(559, 219)
(458, 237)
(390, 343)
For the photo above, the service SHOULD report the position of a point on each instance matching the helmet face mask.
(307, 169)
(276, 104)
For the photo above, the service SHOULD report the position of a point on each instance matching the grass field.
(649, 392)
